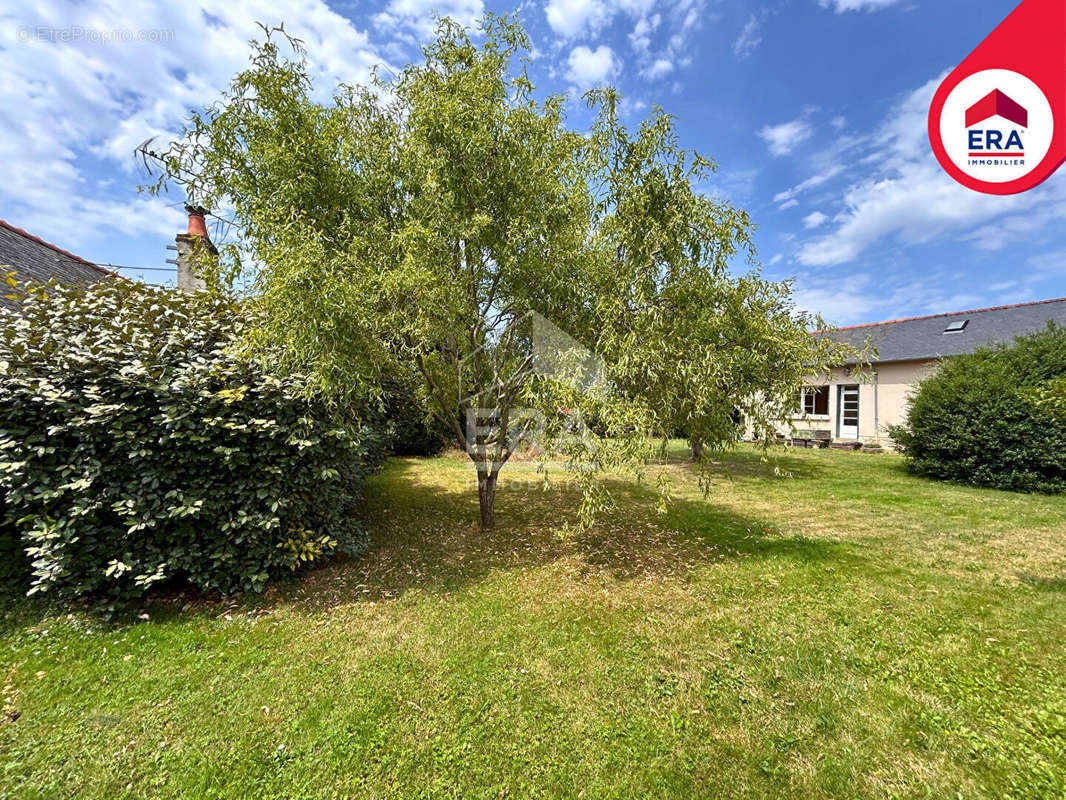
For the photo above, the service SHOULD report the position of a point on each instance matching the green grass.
(842, 630)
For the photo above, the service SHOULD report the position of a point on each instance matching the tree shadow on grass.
(750, 462)
(1053, 584)
(425, 537)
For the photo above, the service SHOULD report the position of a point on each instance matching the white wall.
(884, 391)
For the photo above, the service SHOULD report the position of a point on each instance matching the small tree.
(427, 217)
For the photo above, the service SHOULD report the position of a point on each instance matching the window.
(816, 401)
(957, 326)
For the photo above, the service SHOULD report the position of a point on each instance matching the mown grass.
(826, 626)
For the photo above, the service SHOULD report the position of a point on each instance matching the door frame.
(842, 390)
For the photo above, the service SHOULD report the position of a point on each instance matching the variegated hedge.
(137, 447)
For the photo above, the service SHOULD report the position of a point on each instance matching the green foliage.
(988, 418)
(412, 428)
(1050, 397)
(136, 446)
(423, 220)
(14, 566)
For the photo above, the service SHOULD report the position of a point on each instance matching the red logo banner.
(998, 121)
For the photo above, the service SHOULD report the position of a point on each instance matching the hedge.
(137, 446)
(412, 431)
(983, 418)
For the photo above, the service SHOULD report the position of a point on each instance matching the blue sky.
(815, 110)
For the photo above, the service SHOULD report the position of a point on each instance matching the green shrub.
(975, 421)
(411, 429)
(1050, 397)
(136, 447)
(14, 566)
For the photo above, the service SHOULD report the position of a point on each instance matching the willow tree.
(422, 220)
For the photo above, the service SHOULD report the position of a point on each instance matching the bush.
(136, 447)
(979, 420)
(411, 429)
(14, 566)
(1050, 397)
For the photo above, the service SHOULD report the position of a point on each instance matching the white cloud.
(659, 35)
(905, 198)
(1019, 226)
(814, 219)
(418, 15)
(1043, 267)
(640, 38)
(686, 18)
(840, 6)
(77, 109)
(838, 305)
(733, 185)
(750, 36)
(1024, 285)
(632, 107)
(570, 18)
(784, 138)
(787, 198)
(917, 204)
(909, 199)
(865, 298)
(588, 68)
(659, 68)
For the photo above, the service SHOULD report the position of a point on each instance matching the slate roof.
(919, 338)
(33, 258)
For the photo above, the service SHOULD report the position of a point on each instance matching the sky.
(815, 111)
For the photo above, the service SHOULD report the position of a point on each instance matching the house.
(857, 405)
(33, 258)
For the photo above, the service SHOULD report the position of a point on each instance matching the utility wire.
(127, 266)
(147, 153)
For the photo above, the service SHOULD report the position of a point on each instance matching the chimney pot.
(197, 224)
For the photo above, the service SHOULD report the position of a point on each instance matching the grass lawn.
(836, 628)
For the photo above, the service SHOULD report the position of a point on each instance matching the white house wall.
(884, 392)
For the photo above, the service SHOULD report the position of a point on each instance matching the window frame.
(809, 401)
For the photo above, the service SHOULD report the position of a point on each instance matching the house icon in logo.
(995, 103)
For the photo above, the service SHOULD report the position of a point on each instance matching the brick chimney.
(194, 251)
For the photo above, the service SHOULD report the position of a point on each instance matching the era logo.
(993, 140)
(992, 128)
(996, 104)
(997, 122)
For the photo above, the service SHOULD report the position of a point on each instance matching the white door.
(848, 424)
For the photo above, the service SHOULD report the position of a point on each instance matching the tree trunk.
(697, 448)
(486, 495)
